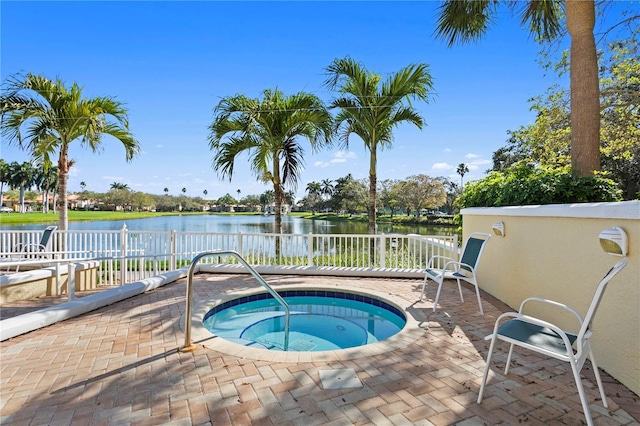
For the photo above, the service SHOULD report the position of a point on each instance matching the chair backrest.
(597, 297)
(46, 235)
(473, 249)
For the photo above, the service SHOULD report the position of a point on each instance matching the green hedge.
(525, 184)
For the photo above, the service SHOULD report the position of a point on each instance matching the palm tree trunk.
(373, 181)
(22, 209)
(585, 92)
(63, 167)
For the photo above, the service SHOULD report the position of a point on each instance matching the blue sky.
(171, 63)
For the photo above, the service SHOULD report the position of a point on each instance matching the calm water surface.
(245, 224)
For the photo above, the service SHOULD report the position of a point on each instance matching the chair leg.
(479, 301)
(506, 367)
(598, 379)
(424, 285)
(486, 369)
(435, 301)
(583, 397)
(460, 291)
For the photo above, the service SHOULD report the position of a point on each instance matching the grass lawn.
(79, 215)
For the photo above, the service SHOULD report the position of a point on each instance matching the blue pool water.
(320, 320)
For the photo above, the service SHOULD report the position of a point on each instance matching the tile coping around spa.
(201, 336)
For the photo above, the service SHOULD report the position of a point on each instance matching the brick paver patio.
(120, 365)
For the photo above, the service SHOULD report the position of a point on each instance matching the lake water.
(241, 223)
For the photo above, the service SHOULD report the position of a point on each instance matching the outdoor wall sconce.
(614, 241)
(498, 229)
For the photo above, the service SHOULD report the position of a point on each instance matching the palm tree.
(55, 116)
(314, 188)
(166, 191)
(118, 185)
(46, 179)
(269, 129)
(21, 176)
(467, 20)
(83, 185)
(327, 187)
(238, 191)
(205, 192)
(4, 177)
(462, 170)
(370, 108)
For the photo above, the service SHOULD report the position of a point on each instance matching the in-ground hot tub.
(325, 324)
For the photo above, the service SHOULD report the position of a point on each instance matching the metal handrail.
(188, 346)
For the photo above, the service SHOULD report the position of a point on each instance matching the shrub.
(525, 184)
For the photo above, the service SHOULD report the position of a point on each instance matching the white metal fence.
(126, 256)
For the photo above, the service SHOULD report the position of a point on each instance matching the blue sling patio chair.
(465, 269)
(548, 339)
(33, 250)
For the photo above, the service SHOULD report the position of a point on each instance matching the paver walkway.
(119, 365)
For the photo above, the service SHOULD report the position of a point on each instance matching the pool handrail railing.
(188, 345)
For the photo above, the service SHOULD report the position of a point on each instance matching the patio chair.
(22, 251)
(548, 339)
(465, 269)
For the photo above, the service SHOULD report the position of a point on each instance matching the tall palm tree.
(22, 176)
(166, 191)
(327, 187)
(461, 21)
(269, 130)
(462, 170)
(371, 108)
(238, 191)
(314, 188)
(46, 180)
(205, 192)
(54, 116)
(4, 177)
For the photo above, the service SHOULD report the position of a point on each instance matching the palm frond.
(462, 21)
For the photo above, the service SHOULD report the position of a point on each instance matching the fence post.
(310, 249)
(382, 250)
(58, 280)
(172, 250)
(123, 254)
(240, 243)
(71, 281)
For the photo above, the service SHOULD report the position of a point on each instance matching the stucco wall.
(553, 252)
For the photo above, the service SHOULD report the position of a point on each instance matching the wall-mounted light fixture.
(498, 229)
(614, 241)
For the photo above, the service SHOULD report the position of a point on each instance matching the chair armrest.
(432, 258)
(32, 248)
(552, 303)
(459, 266)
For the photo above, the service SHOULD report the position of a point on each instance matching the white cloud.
(447, 150)
(441, 166)
(471, 156)
(159, 146)
(338, 160)
(321, 164)
(344, 154)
